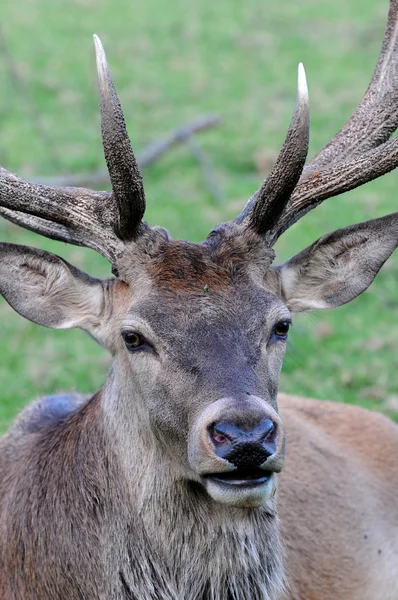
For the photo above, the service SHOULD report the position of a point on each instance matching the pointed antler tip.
(302, 87)
(103, 74)
(99, 49)
(100, 55)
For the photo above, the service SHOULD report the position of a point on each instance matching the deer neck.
(206, 549)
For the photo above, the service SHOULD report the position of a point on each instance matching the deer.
(187, 476)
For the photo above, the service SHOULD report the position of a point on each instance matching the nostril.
(225, 432)
(265, 431)
(222, 433)
(221, 440)
(244, 448)
(270, 433)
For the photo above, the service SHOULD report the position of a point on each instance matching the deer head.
(198, 330)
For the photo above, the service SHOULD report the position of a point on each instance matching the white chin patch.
(240, 496)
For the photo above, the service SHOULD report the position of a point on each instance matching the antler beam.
(359, 152)
(73, 215)
(376, 118)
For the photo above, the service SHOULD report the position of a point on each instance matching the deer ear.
(339, 266)
(49, 291)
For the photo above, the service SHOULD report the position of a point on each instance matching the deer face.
(202, 345)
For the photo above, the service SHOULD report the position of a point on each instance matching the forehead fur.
(218, 262)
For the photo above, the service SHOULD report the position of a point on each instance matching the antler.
(98, 220)
(358, 153)
(263, 210)
(124, 173)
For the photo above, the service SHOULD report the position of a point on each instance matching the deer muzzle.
(236, 447)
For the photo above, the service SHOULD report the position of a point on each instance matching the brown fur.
(333, 550)
(185, 267)
(104, 498)
(337, 504)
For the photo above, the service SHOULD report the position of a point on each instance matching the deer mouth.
(241, 477)
(241, 488)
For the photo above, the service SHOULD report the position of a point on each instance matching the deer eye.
(281, 329)
(133, 340)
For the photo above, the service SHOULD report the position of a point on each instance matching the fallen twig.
(207, 170)
(100, 178)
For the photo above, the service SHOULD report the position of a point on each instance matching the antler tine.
(359, 152)
(123, 169)
(99, 220)
(266, 205)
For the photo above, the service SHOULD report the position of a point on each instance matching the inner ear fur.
(49, 291)
(339, 266)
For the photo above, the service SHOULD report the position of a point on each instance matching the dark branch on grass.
(207, 170)
(152, 152)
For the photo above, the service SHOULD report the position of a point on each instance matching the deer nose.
(245, 449)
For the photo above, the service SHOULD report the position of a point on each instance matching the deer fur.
(97, 479)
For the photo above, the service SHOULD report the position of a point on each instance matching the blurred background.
(172, 61)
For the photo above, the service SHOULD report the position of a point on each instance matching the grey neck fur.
(201, 550)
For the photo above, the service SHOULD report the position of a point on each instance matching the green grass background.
(172, 61)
